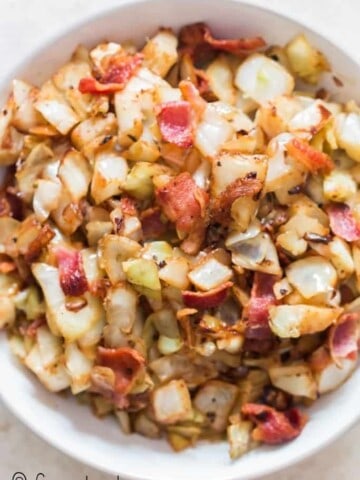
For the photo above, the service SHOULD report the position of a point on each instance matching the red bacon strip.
(312, 159)
(183, 202)
(210, 299)
(273, 427)
(257, 312)
(343, 338)
(118, 73)
(342, 222)
(126, 364)
(198, 41)
(175, 123)
(72, 275)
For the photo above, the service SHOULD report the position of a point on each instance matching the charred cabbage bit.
(179, 234)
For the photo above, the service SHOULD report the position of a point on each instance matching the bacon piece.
(128, 206)
(192, 95)
(196, 40)
(42, 239)
(118, 73)
(31, 329)
(241, 187)
(152, 225)
(72, 275)
(273, 427)
(210, 299)
(312, 159)
(126, 363)
(256, 313)
(175, 123)
(343, 338)
(183, 202)
(235, 46)
(342, 222)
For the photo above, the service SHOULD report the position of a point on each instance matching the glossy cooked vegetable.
(180, 235)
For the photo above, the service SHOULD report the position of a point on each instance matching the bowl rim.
(6, 80)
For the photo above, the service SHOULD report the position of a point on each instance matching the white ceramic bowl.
(71, 427)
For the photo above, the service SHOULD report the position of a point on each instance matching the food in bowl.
(179, 235)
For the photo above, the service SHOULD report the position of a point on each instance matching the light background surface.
(24, 25)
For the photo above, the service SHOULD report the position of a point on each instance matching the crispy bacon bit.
(197, 41)
(99, 288)
(256, 314)
(152, 225)
(312, 159)
(210, 299)
(192, 95)
(182, 202)
(342, 222)
(43, 238)
(118, 73)
(175, 123)
(31, 329)
(273, 427)
(128, 206)
(72, 275)
(126, 363)
(241, 187)
(343, 338)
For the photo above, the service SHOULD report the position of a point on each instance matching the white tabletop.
(25, 24)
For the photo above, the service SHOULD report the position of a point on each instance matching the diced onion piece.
(7, 311)
(113, 250)
(239, 438)
(31, 169)
(333, 376)
(340, 256)
(347, 132)
(79, 368)
(109, 176)
(46, 198)
(263, 79)
(171, 402)
(93, 127)
(120, 305)
(175, 273)
(282, 288)
(55, 109)
(215, 400)
(307, 62)
(220, 77)
(311, 120)
(212, 132)
(311, 276)
(25, 115)
(102, 51)
(330, 376)
(227, 167)
(159, 251)
(145, 426)
(258, 254)
(339, 186)
(210, 274)
(143, 273)
(50, 347)
(167, 345)
(294, 379)
(54, 378)
(71, 325)
(292, 321)
(75, 174)
(160, 52)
